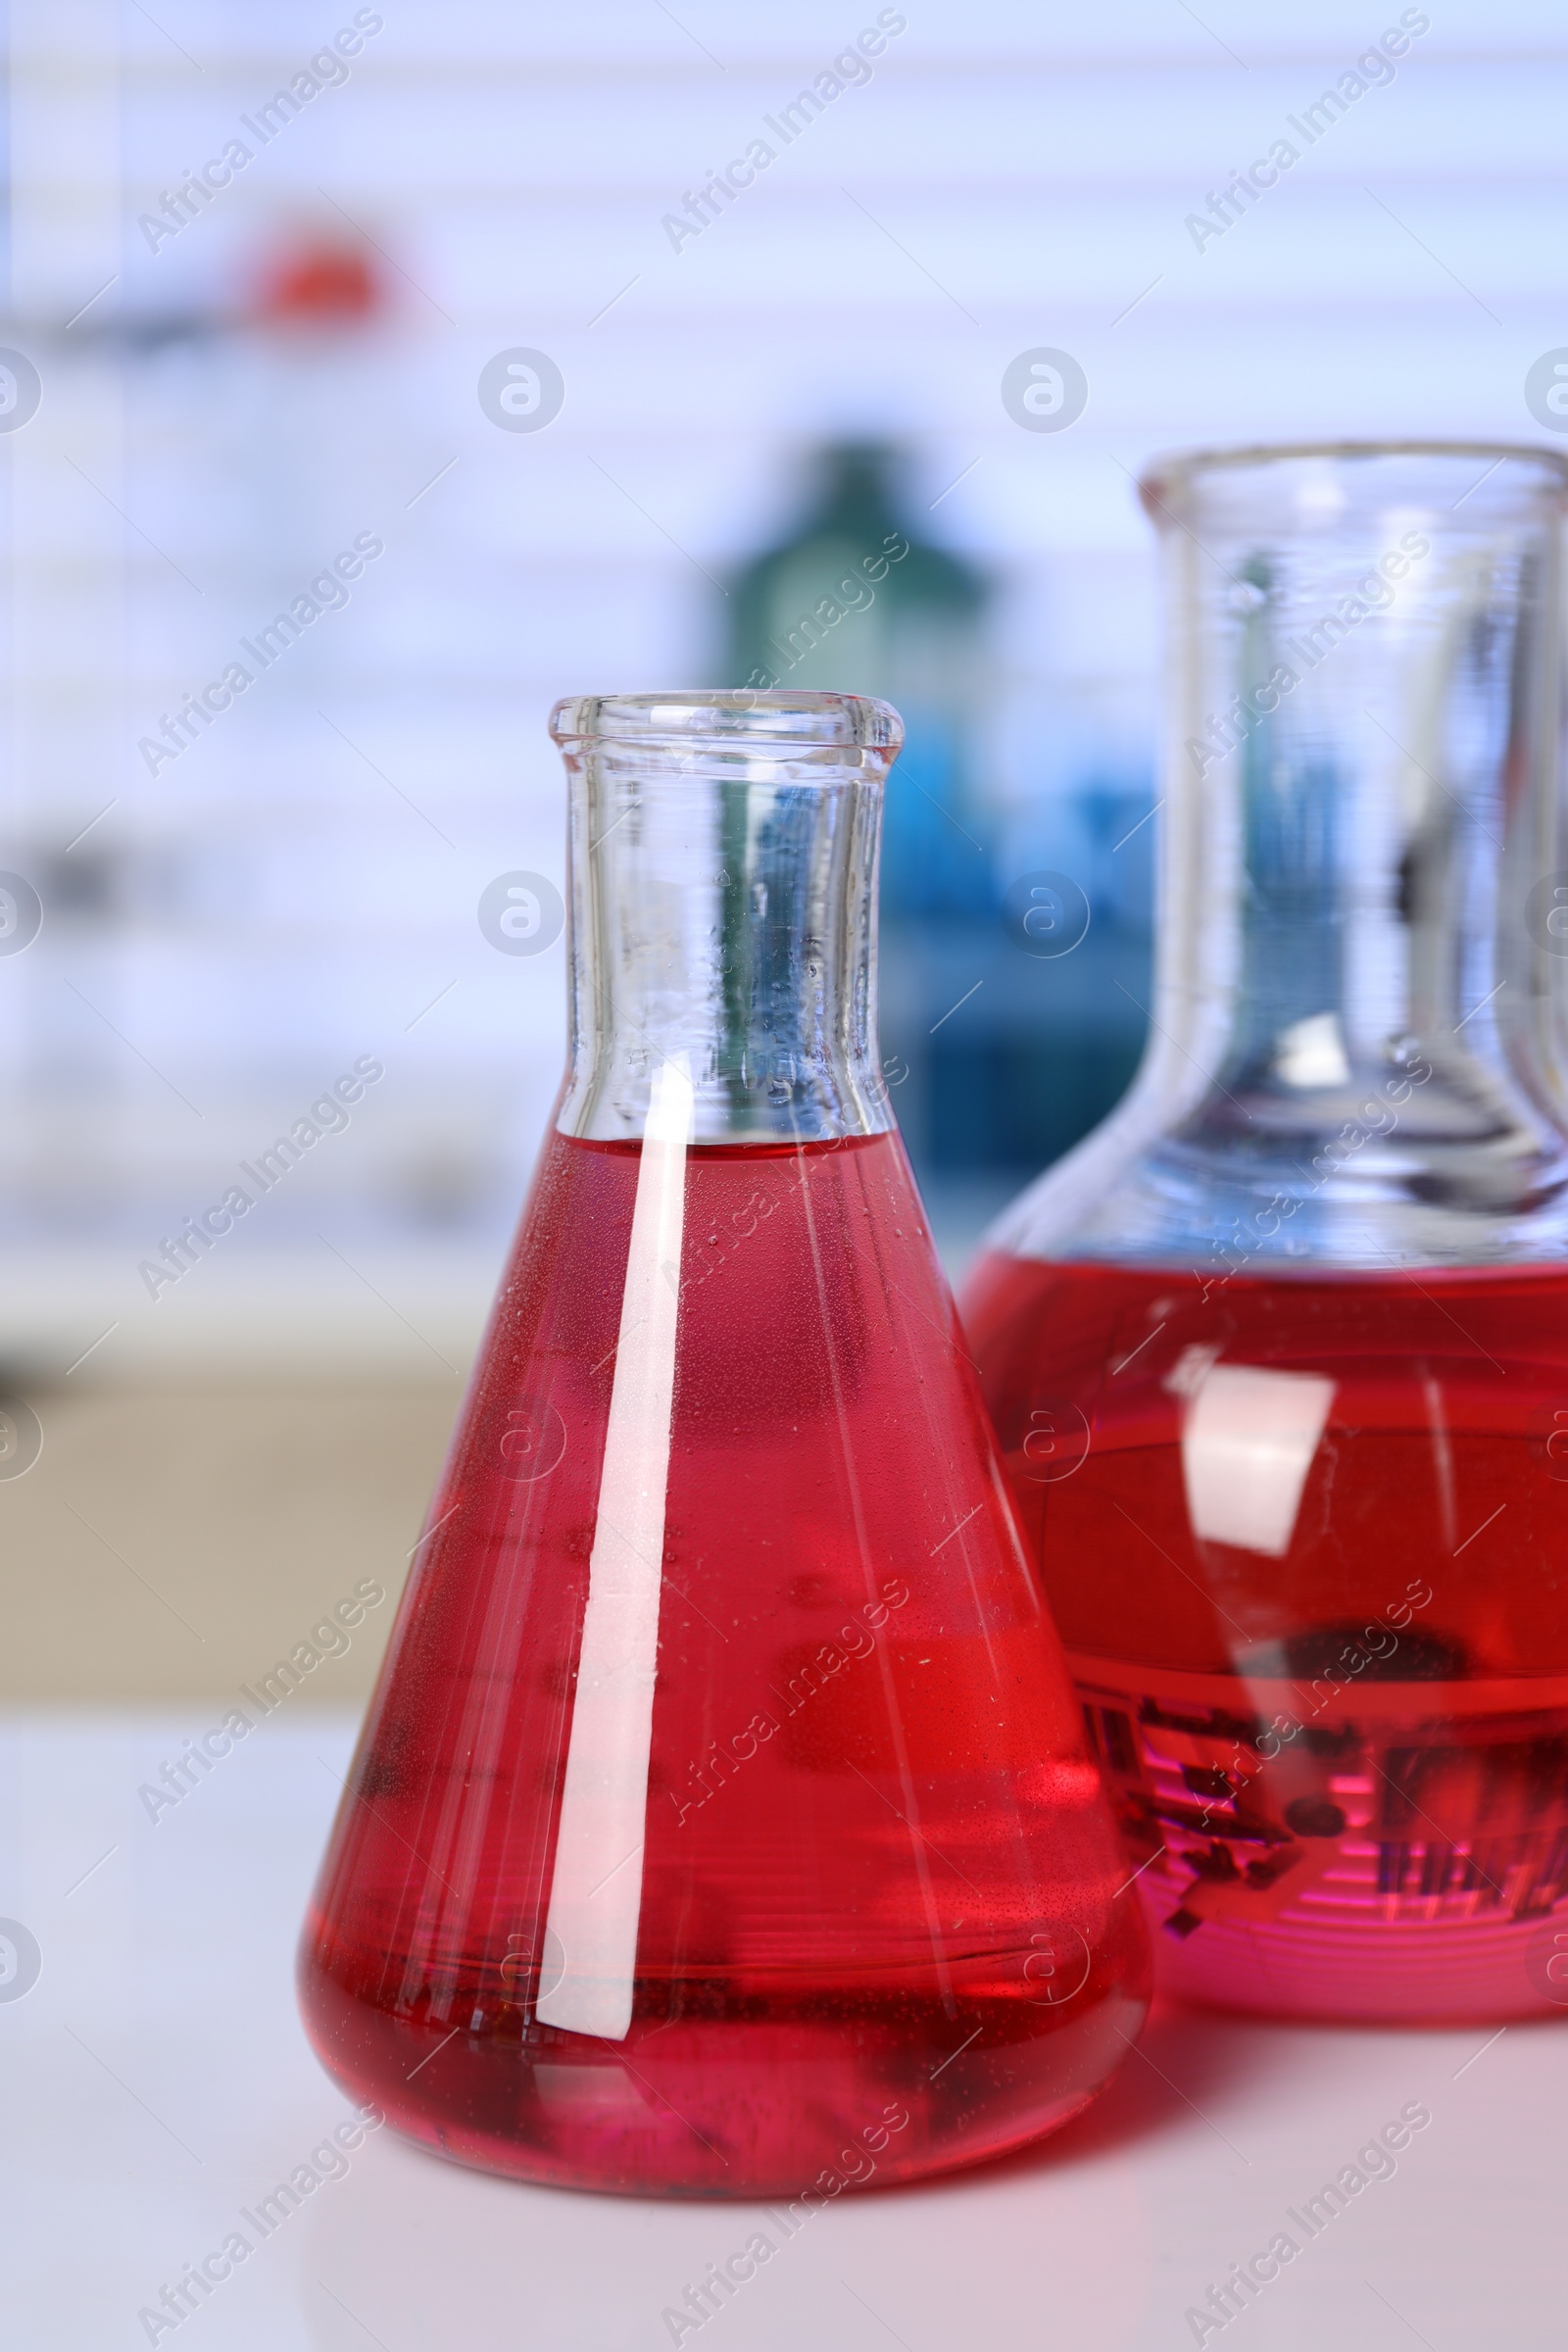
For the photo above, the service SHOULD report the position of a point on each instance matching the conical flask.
(1279, 1357)
(723, 1821)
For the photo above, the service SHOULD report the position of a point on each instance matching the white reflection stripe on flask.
(1246, 1447)
(596, 1891)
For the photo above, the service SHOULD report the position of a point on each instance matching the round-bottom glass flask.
(1279, 1357)
(724, 1822)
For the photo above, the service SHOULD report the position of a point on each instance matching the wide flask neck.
(1355, 1052)
(723, 871)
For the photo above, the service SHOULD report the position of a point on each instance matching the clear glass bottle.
(724, 1822)
(1279, 1357)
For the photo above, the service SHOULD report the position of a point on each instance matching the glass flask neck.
(1356, 1045)
(723, 870)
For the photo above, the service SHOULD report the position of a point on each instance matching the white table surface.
(156, 2080)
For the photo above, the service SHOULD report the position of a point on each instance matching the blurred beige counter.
(221, 1468)
(179, 1538)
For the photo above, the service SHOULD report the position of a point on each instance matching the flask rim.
(743, 717)
(1171, 473)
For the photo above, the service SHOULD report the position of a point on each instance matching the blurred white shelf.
(351, 1304)
(407, 1308)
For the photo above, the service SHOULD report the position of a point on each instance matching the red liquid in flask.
(883, 1925)
(1306, 1545)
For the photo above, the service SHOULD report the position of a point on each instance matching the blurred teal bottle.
(1001, 1060)
(853, 594)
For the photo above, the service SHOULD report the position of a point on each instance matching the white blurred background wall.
(297, 369)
